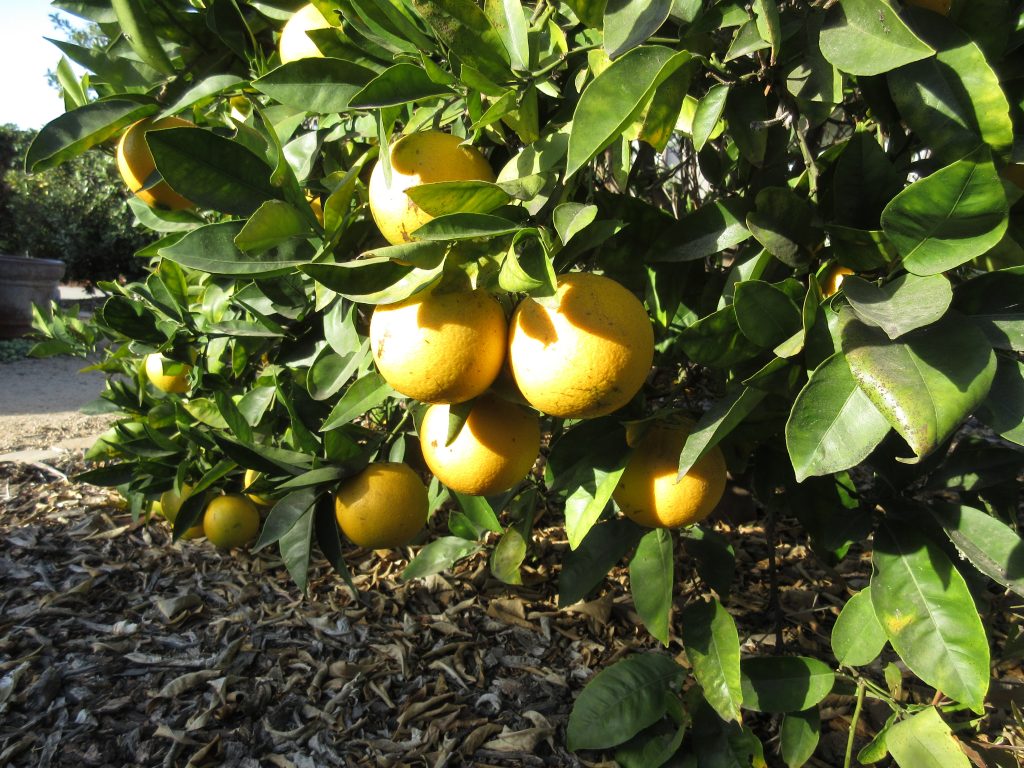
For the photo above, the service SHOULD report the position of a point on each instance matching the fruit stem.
(853, 724)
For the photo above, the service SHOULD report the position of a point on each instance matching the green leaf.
(746, 111)
(857, 637)
(508, 556)
(477, 509)
(439, 555)
(653, 747)
(593, 483)
(925, 741)
(1003, 409)
(465, 226)
(863, 182)
(273, 223)
(622, 700)
(902, 305)
(707, 231)
(784, 683)
(926, 383)
(373, 281)
(709, 112)
(948, 218)
(442, 197)
(509, 20)
(133, 20)
(867, 37)
(204, 89)
(747, 41)
(72, 133)
(400, 84)
(465, 29)
(570, 218)
(766, 315)
(651, 581)
(713, 649)
(585, 567)
(989, 544)
(628, 23)
(716, 340)
(318, 85)
(331, 371)
(615, 98)
(716, 560)
(798, 736)
(926, 611)
(781, 224)
(296, 545)
(211, 171)
(328, 537)
(365, 394)
(768, 26)
(953, 101)
(283, 516)
(717, 422)
(211, 248)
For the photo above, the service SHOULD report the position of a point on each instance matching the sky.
(28, 101)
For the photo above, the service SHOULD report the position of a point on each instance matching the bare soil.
(40, 402)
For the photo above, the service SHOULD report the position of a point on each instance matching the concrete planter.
(24, 282)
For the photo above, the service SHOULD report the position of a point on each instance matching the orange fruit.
(419, 158)
(168, 506)
(440, 346)
(832, 279)
(167, 375)
(648, 493)
(295, 43)
(583, 352)
(494, 450)
(135, 162)
(384, 506)
(231, 521)
(252, 476)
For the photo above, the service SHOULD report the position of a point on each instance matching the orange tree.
(816, 203)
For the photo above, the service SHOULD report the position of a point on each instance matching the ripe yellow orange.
(170, 503)
(494, 450)
(419, 158)
(384, 506)
(317, 206)
(295, 43)
(832, 279)
(231, 521)
(135, 162)
(252, 476)
(167, 375)
(583, 352)
(648, 492)
(440, 346)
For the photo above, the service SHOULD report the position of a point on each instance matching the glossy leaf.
(439, 555)
(1003, 409)
(833, 424)
(709, 112)
(274, 222)
(923, 740)
(133, 19)
(926, 611)
(628, 23)
(948, 218)
(765, 313)
(211, 248)
(716, 340)
(650, 582)
(867, 37)
(465, 29)
(954, 100)
(857, 637)
(615, 98)
(509, 21)
(926, 383)
(864, 180)
(508, 556)
(442, 197)
(283, 516)
(784, 683)
(710, 229)
(585, 567)
(798, 736)
(477, 509)
(713, 649)
(465, 226)
(365, 394)
(70, 134)
(716, 423)
(318, 85)
(570, 218)
(373, 281)
(716, 560)
(622, 700)
(400, 84)
(902, 305)
(204, 89)
(989, 544)
(211, 171)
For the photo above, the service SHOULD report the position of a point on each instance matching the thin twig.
(853, 724)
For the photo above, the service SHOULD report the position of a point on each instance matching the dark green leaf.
(902, 305)
(709, 112)
(989, 544)
(133, 19)
(465, 29)
(211, 171)
(439, 555)
(781, 224)
(204, 89)
(709, 230)
(365, 394)
(716, 561)
(585, 567)
(273, 223)
(798, 736)
(622, 700)
(628, 23)
(717, 422)
(926, 611)
(319, 85)
(400, 84)
(1003, 409)
(296, 545)
(283, 516)
(373, 281)
(508, 556)
(442, 197)
(716, 340)
(211, 248)
(766, 315)
(465, 226)
(863, 182)
(477, 509)
(784, 683)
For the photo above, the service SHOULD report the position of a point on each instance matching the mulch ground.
(119, 647)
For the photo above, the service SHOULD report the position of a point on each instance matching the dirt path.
(40, 402)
